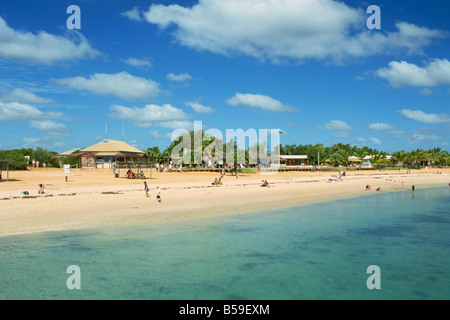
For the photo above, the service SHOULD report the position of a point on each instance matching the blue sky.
(141, 69)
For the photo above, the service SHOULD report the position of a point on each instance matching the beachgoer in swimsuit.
(146, 188)
(158, 194)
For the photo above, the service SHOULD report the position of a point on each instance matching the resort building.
(389, 160)
(107, 153)
(354, 161)
(366, 162)
(294, 160)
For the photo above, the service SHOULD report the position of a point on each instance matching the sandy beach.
(91, 198)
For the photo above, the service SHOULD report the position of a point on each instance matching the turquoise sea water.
(318, 251)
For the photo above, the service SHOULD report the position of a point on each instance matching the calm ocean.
(318, 251)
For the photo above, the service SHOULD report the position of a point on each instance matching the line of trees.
(19, 158)
(337, 154)
(419, 157)
(211, 146)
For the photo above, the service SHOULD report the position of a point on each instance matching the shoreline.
(96, 199)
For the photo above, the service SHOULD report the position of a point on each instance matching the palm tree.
(415, 157)
(443, 159)
(435, 155)
(400, 156)
(360, 153)
(423, 158)
(339, 157)
(378, 159)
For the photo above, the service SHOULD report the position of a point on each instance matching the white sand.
(96, 198)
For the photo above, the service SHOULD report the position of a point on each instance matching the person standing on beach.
(158, 194)
(146, 189)
(413, 188)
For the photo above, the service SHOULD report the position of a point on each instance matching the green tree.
(435, 156)
(193, 153)
(43, 155)
(360, 153)
(340, 157)
(378, 159)
(400, 156)
(16, 159)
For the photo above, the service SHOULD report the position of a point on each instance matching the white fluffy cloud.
(24, 96)
(199, 108)
(402, 74)
(132, 14)
(423, 135)
(48, 126)
(420, 116)
(15, 111)
(43, 48)
(121, 84)
(336, 125)
(258, 101)
(165, 116)
(379, 126)
(135, 62)
(179, 77)
(54, 132)
(294, 29)
(375, 141)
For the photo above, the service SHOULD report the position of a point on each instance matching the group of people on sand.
(218, 182)
(40, 191)
(132, 175)
(147, 191)
(37, 163)
(160, 167)
(413, 187)
(368, 187)
(335, 178)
